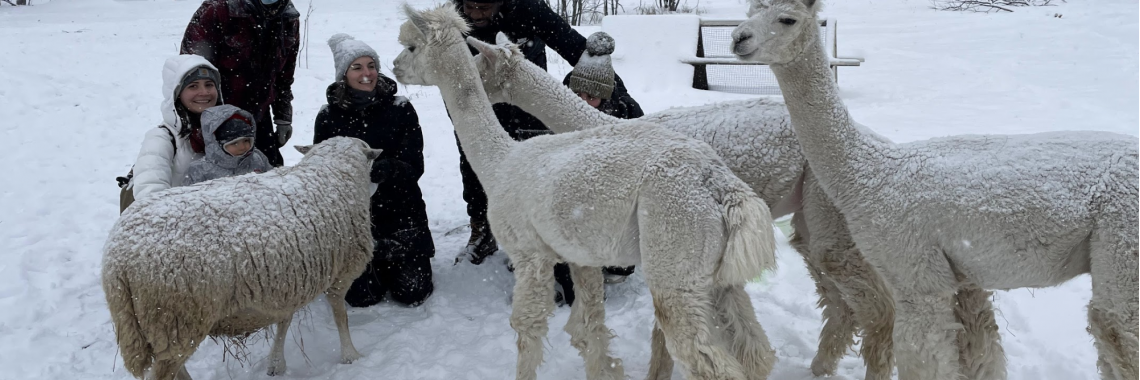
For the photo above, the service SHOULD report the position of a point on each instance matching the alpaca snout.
(741, 45)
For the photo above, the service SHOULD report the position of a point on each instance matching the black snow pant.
(400, 266)
(562, 277)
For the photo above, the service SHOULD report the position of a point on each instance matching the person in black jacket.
(594, 81)
(363, 104)
(533, 25)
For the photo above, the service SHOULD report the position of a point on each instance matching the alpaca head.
(498, 65)
(432, 38)
(775, 31)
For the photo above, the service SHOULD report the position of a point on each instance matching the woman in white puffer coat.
(189, 86)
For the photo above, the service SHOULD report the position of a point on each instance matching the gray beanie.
(594, 74)
(346, 49)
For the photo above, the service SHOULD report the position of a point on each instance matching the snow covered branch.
(986, 6)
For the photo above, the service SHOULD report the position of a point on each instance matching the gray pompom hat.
(346, 49)
(594, 73)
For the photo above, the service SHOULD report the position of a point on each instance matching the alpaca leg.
(1113, 308)
(979, 344)
(532, 305)
(819, 230)
(684, 317)
(277, 353)
(838, 323)
(586, 326)
(660, 362)
(335, 297)
(748, 341)
(925, 336)
(871, 305)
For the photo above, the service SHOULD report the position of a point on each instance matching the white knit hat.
(346, 49)
(594, 74)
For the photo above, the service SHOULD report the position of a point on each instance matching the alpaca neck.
(539, 94)
(484, 140)
(838, 152)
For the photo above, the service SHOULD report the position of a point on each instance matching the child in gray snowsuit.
(228, 133)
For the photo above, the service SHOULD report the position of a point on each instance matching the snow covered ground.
(80, 82)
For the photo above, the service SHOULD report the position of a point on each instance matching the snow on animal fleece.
(934, 216)
(606, 196)
(756, 140)
(234, 255)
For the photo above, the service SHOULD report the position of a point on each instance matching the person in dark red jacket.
(254, 45)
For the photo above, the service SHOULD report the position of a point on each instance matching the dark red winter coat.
(255, 50)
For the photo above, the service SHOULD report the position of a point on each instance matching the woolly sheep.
(231, 256)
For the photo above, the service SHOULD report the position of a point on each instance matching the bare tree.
(986, 6)
(305, 39)
(578, 12)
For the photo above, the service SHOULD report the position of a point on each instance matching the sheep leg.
(532, 305)
(335, 298)
(168, 369)
(277, 353)
(980, 353)
(660, 362)
(748, 341)
(684, 316)
(1113, 308)
(586, 326)
(182, 374)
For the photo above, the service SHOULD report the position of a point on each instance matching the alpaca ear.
(373, 154)
(501, 39)
(418, 21)
(811, 4)
(304, 149)
(486, 51)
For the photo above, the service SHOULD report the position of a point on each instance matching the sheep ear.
(304, 149)
(373, 154)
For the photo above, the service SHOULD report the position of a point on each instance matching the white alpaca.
(607, 196)
(756, 140)
(991, 211)
(231, 256)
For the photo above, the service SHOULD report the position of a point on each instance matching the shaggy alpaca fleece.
(984, 211)
(756, 140)
(231, 256)
(606, 196)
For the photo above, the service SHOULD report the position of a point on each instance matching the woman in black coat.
(363, 104)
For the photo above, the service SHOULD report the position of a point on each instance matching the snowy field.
(80, 84)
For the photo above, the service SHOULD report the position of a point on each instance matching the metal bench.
(714, 60)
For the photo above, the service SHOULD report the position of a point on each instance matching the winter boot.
(369, 288)
(410, 280)
(616, 275)
(481, 243)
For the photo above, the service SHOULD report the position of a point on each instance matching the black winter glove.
(382, 170)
